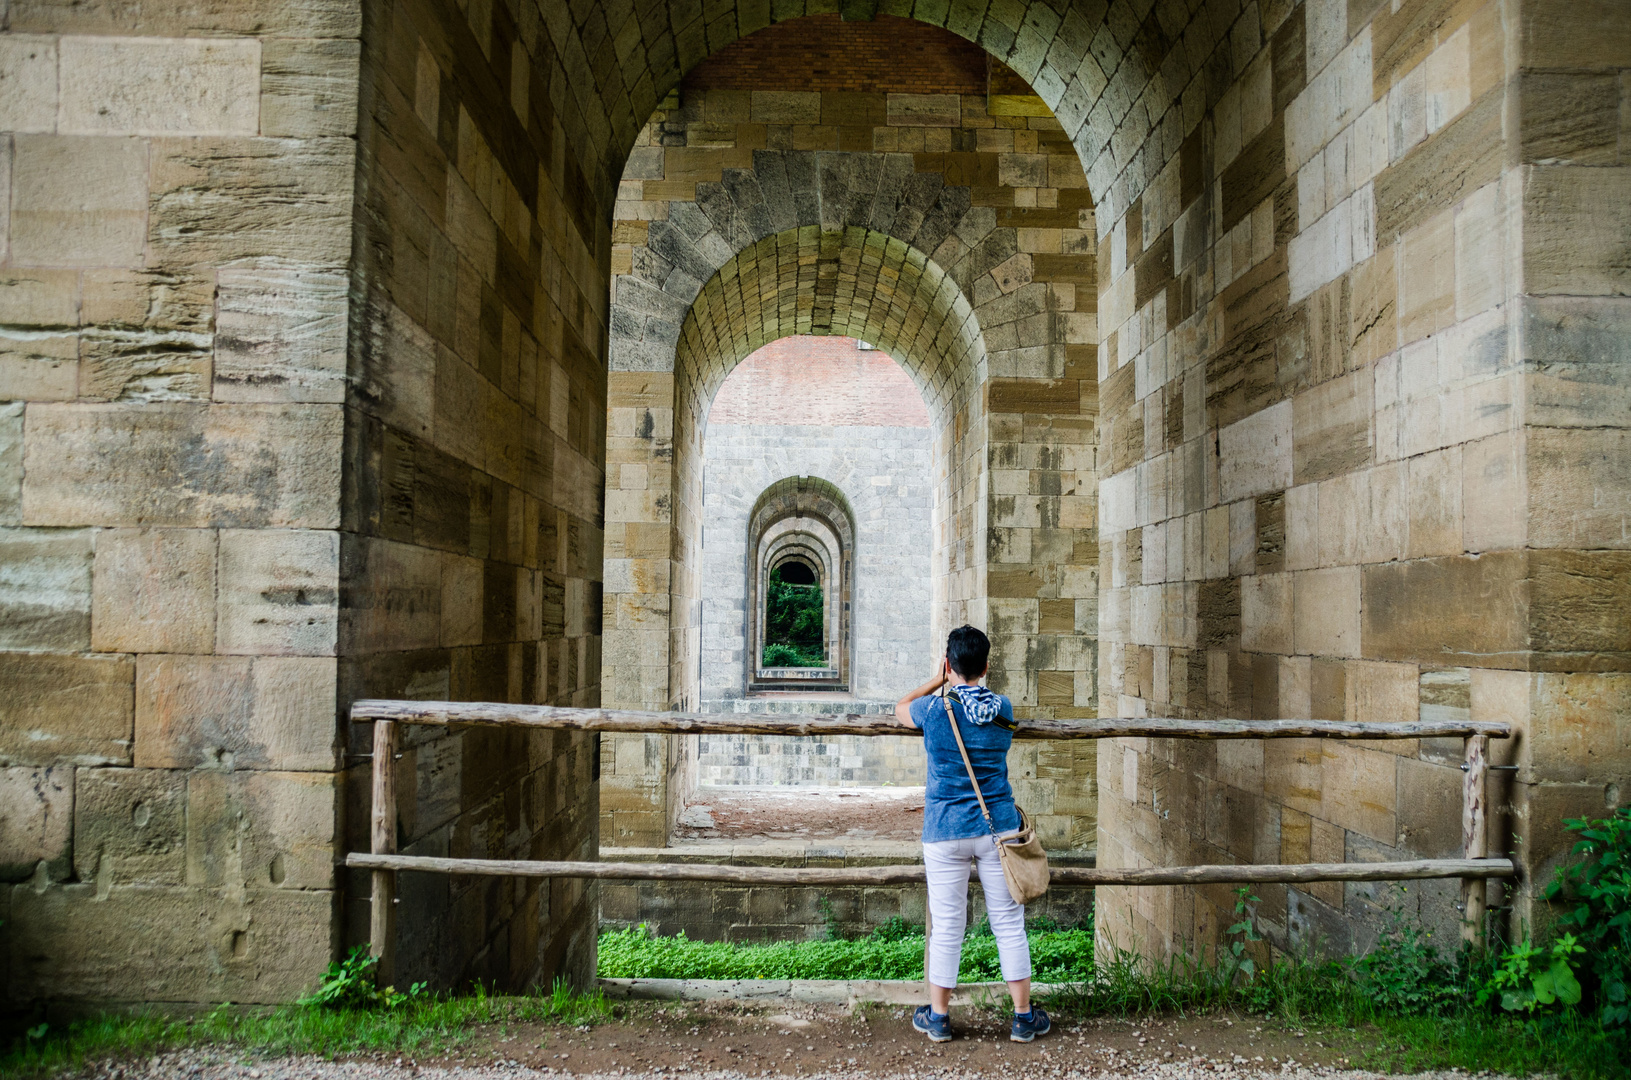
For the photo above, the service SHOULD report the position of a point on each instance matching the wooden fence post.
(1475, 836)
(382, 916)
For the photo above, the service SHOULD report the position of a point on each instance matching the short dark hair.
(969, 651)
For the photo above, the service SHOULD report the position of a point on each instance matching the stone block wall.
(301, 399)
(175, 192)
(472, 540)
(884, 474)
(1356, 380)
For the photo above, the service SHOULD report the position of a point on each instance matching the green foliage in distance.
(794, 624)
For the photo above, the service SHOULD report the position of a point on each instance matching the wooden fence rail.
(680, 723)
(912, 874)
(1474, 869)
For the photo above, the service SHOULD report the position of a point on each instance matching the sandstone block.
(159, 86)
(1325, 611)
(1266, 613)
(28, 83)
(1578, 733)
(265, 713)
(183, 465)
(783, 107)
(1331, 428)
(1435, 525)
(36, 821)
(1579, 487)
(78, 201)
(1359, 790)
(279, 592)
(393, 596)
(280, 335)
(154, 591)
(175, 944)
(1254, 454)
(130, 826)
(217, 200)
(309, 87)
(1446, 610)
(45, 589)
(261, 829)
(1573, 222)
(924, 110)
(1494, 507)
(65, 709)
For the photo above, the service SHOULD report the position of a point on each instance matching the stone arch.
(806, 517)
(1098, 66)
(996, 324)
(857, 283)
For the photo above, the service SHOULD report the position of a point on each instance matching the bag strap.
(945, 699)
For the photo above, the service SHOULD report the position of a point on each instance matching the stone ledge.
(812, 991)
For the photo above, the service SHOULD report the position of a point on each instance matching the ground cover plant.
(894, 951)
(346, 1014)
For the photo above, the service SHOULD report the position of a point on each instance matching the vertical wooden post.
(1475, 836)
(382, 917)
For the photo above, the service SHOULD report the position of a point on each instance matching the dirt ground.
(747, 815)
(692, 1037)
(733, 1041)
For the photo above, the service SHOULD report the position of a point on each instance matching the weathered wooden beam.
(382, 837)
(681, 723)
(913, 874)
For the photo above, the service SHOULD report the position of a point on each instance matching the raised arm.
(903, 707)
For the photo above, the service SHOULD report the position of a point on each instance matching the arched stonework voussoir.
(1110, 71)
(787, 192)
(855, 283)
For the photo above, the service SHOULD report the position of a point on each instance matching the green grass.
(425, 1025)
(894, 952)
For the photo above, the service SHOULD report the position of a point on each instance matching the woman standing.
(955, 836)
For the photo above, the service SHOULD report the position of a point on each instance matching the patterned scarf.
(979, 704)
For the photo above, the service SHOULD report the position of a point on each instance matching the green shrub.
(1403, 973)
(784, 655)
(1597, 892)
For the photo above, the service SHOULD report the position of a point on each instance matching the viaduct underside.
(1276, 355)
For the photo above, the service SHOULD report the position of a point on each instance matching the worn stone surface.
(182, 465)
(154, 591)
(36, 822)
(235, 712)
(175, 944)
(130, 825)
(78, 201)
(45, 589)
(158, 86)
(70, 710)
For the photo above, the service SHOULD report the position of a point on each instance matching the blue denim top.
(950, 810)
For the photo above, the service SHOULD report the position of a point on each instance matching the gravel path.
(213, 1065)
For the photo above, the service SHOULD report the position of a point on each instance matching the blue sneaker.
(937, 1028)
(1024, 1030)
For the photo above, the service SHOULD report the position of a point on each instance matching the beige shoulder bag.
(1024, 863)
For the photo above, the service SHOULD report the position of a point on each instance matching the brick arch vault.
(303, 398)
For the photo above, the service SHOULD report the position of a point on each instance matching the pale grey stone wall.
(884, 473)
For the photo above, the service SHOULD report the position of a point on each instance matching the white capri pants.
(947, 864)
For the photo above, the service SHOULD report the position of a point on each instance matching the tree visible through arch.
(793, 618)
